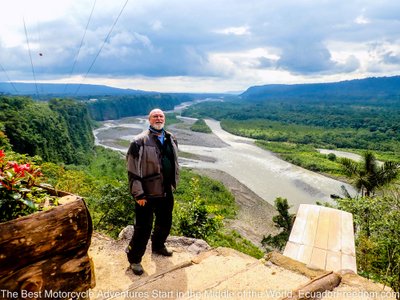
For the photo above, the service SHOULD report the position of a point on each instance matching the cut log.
(56, 277)
(293, 265)
(47, 250)
(315, 288)
(31, 238)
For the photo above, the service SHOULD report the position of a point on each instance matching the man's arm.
(134, 174)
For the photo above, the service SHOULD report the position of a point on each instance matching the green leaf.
(16, 196)
(28, 203)
(24, 190)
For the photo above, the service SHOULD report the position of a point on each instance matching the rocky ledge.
(196, 271)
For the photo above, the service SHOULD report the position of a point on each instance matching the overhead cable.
(8, 78)
(102, 46)
(30, 56)
(80, 46)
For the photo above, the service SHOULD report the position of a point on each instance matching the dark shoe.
(137, 269)
(163, 251)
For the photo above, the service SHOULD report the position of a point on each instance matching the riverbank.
(254, 216)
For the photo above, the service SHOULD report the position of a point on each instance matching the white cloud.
(241, 30)
(156, 25)
(361, 20)
(170, 41)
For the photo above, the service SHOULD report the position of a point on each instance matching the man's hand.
(141, 202)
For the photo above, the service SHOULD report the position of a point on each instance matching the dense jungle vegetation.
(58, 130)
(363, 125)
(121, 106)
(296, 128)
(117, 107)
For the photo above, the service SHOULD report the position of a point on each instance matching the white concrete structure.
(322, 238)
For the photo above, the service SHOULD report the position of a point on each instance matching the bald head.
(157, 119)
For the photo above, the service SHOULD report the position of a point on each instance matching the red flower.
(20, 169)
(2, 154)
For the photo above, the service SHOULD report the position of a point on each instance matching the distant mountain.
(57, 89)
(368, 88)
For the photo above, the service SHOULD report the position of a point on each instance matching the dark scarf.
(156, 131)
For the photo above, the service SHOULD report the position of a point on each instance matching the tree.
(367, 176)
(4, 141)
(58, 131)
(284, 221)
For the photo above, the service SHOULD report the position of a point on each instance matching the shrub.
(200, 126)
(196, 220)
(332, 157)
(19, 195)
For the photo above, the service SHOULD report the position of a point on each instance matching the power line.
(8, 78)
(102, 46)
(30, 56)
(80, 46)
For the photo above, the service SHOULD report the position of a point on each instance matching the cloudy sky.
(198, 45)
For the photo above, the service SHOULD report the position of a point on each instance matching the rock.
(191, 245)
(126, 233)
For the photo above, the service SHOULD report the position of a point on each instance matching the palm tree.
(368, 175)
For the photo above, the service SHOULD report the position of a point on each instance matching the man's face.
(157, 119)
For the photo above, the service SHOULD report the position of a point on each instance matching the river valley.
(254, 176)
(261, 171)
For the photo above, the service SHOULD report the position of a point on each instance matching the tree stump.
(45, 255)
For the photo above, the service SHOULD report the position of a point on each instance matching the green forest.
(58, 130)
(296, 128)
(117, 107)
(363, 125)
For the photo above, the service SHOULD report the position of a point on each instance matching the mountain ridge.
(371, 87)
(25, 88)
(376, 87)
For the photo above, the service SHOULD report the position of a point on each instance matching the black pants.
(161, 208)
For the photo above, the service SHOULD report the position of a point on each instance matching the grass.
(122, 143)
(305, 156)
(232, 239)
(200, 126)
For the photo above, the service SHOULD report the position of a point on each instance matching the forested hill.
(117, 107)
(58, 130)
(361, 89)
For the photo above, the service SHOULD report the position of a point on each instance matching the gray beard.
(158, 126)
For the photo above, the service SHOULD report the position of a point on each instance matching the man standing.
(153, 170)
